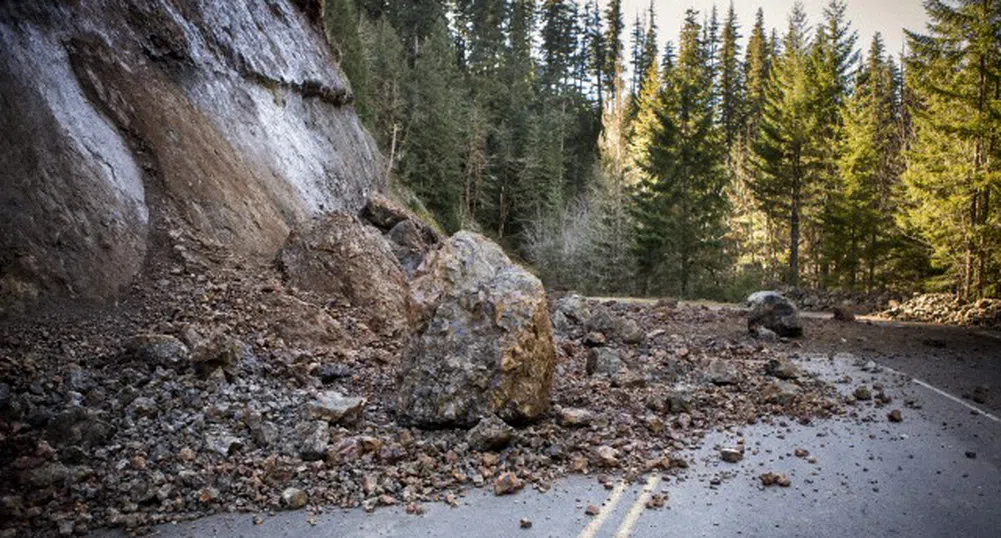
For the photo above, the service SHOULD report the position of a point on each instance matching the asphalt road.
(871, 478)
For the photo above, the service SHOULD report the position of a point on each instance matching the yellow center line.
(592, 528)
(637, 508)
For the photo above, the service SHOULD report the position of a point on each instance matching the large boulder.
(341, 257)
(771, 310)
(410, 238)
(482, 341)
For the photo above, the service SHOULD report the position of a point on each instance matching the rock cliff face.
(126, 122)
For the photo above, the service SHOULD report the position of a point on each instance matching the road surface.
(934, 474)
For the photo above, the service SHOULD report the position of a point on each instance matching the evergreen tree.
(781, 182)
(730, 83)
(869, 167)
(559, 42)
(757, 70)
(832, 62)
(679, 202)
(612, 68)
(432, 164)
(952, 181)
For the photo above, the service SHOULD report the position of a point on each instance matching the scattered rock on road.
(507, 483)
(336, 408)
(525, 523)
(592, 510)
(294, 498)
(731, 455)
(895, 416)
(491, 433)
(782, 368)
(773, 311)
(862, 393)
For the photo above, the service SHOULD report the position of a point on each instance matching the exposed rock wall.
(125, 119)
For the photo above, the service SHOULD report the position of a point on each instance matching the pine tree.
(869, 167)
(558, 29)
(612, 68)
(432, 164)
(781, 182)
(832, 62)
(757, 66)
(952, 180)
(679, 200)
(730, 83)
(638, 39)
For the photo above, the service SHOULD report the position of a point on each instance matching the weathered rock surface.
(603, 360)
(410, 238)
(135, 119)
(482, 341)
(491, 433)
(773, 311)
(335, 407)
(341, 257)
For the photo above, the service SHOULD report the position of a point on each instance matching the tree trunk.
(794, 239)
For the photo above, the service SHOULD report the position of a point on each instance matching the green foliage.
(953, 181)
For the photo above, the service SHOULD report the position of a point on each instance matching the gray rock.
(781, 392)
(603, 360)
(482, 343)
(490, 433)
(4, 396)
(679, 401)
(764, 334)
(630, 332)
(773, 311)
(222, 442)
(294, 498)
(143, 406)
(337, 408)
(731, 455)
(219, 351)
(574, 417)
(782, 368)
(158, 350)
(328, 373)
(723, 372)
(569, 314)
(408, 246)
(314, 437)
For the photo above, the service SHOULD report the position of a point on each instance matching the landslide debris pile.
(946, 308)
(352, 374)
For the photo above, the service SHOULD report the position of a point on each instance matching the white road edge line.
(637, 508)
(592, 528)
(941, 392)
(955, 399)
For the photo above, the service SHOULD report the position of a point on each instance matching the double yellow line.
(632, 517)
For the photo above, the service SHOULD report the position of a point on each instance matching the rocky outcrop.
(340, 257)
(125, 120)
(774, 312)
(482, 341)
(410, 238)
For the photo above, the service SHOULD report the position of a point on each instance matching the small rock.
(863, 393)
(764, 334)
(506, 484)
(294, 498)
(801, 453)
(525, 523)
(573, 417)
(895, 416)
(722, 372)
(607, 456)
(843, 314)
(771, 479)
(971, 454)
(328, 373)
(782, 368)
(731, 455)
(314, 438)
(337, 408)
(979, 394)
(491, 433)
(657, 500)
(603, 360)
(158, 350)
(592, 510)
(222, 443)
(414, 509)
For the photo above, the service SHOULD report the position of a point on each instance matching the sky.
(889, 17)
